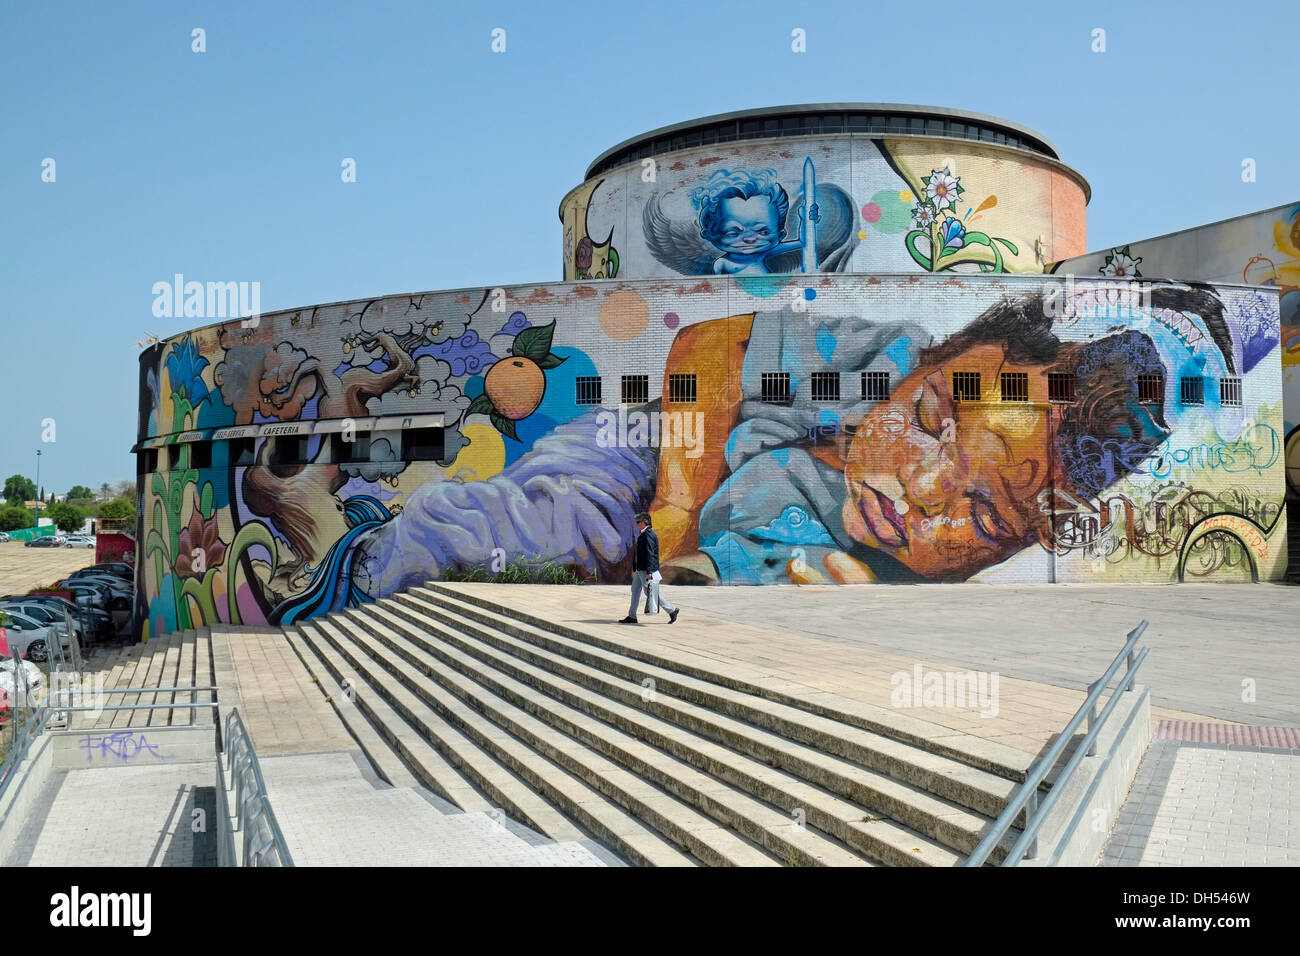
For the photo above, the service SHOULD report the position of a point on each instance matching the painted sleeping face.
(949, 488)
(749, 227)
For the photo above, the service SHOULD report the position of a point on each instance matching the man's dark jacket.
(647, 552)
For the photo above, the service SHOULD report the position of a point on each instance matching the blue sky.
(225, 165)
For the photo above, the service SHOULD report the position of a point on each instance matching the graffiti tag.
(124, 745)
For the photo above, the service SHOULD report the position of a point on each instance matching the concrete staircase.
(182, 659)
(666, 763)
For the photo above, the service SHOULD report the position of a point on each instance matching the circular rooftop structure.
(820, 119)
(827, 187)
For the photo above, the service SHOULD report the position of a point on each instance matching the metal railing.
(27, 722)
(263, 841)
(1026, 796)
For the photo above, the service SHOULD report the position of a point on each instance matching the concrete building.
(898, 381)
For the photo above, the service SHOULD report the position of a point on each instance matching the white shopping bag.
(652, 593)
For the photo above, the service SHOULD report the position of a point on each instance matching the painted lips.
(882, 518)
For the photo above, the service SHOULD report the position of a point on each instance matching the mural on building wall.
(1258, 249)
(877, 205)
(915, 483)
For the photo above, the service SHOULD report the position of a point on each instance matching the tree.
(66, 517)
(118, 508)
(19, 489)
(11, 518)
(80, 491)
(105, 491)
(124, 489)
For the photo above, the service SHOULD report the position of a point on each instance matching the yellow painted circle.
(905, 196)
(624, 315)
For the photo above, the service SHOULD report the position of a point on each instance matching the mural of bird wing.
(676, 242)
(837, 231)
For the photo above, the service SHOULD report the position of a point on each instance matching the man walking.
(646, 569)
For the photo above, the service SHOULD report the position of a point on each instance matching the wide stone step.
(395, 749)
(951, 780)
(987, 755)
(623, 767)
(921, 829)
(527, 786)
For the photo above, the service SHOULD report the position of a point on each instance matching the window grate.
(1151, 389)
(776, 388)
(636, 389)
(1193, 391)
(1230, 391)
(681, 388)
(875, 386)
(587, 390)
(1015, 386)
(825, 386)
(966, 386)
(1060, 386)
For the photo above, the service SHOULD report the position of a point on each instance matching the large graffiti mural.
(1261, 249)
(845, 428)
(833, 204)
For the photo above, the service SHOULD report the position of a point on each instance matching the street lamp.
(37, 523)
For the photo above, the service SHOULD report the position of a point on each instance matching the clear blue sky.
(225, 165)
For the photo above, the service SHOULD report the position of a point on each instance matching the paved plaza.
(1205, 804)
(1222, 650)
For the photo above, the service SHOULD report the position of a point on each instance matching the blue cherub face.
(750, 227)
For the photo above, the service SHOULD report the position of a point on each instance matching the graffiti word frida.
(651, 430)
(216, 300)
(945, 689)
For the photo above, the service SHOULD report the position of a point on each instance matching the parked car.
(4, 536)
(101, 624)
(31, 638)
(48, 541)
(87, 595)
(45, 614)
(33, 678)
(115, 596)
(79, 541)
(124, 571)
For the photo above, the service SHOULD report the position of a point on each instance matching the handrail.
(1026, 796)
(253, 813)
(33, 724)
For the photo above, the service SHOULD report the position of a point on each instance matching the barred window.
(1151, 389)
(1015, 386)
(1193, 390)
(875, 386)
(776, 388)
(1060, 386)
(588, 390)
(966, 386)
(825, 386)
(681, 388)
(636, 389)
(1229, 391)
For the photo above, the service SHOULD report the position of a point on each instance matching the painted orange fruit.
(515, 385)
